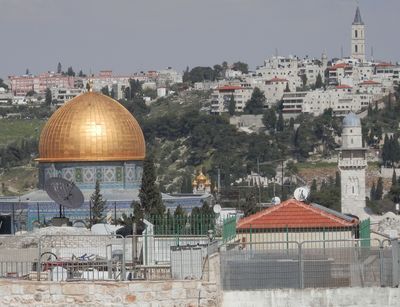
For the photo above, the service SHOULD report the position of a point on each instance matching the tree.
(240, 66)
(318, 81)
(232, 105)
(3, 85)
(105, 91)
(314, 187)
(149, 194)
(98, 205)
(70, 72)
(49, 97)
(256, 103)
(287, 89)
(59, 68)
(379, 189)
(269, 119)
(304, 80)
(280, 124)
(372, 192)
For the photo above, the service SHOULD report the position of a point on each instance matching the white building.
(221, 97)
(169, 76)
(352, 164)
(293, 104)
(274, 89)
(61, 95)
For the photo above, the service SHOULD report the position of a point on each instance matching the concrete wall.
(349, 297)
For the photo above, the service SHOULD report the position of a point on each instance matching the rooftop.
(296, 214)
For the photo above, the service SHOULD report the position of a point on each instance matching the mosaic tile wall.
(113, 175)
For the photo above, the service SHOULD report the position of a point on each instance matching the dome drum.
(111, 175)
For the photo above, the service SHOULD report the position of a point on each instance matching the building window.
(356, 48)
(352, 189)
(356, 33)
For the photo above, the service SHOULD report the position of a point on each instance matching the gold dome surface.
(91, 127)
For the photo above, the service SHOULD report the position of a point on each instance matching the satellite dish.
(64, 192)
(301, 193)
(217, 209)
(276, 200)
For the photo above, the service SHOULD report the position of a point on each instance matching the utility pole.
(259, 181)
(219, 184)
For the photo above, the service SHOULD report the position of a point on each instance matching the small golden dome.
(91, 127)
(194, 183)
(201, 178)
(208, 183)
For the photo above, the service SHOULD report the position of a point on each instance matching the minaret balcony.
(353, 163)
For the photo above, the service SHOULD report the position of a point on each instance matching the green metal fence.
(365, 232)
(196, 225)
(229, 229)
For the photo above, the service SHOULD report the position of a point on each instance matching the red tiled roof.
(293, 214)
(383, 64)
(369, 82)
(342, 86)
(341, 65)
(229, 88)
(276, 79)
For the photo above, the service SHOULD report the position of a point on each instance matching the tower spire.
(357, 18)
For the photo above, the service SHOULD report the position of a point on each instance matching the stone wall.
(134, 293)
(193, 293)
(352, 297)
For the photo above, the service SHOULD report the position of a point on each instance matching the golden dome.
(201, 178)
(91, 127)
(194, 183)
(208, 183)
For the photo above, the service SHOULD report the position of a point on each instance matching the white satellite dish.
(276, 200)
(217, 209)
(301, 193)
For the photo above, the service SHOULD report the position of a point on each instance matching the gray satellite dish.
(64, 192)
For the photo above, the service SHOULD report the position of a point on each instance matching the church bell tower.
(352, 163)
(358, 37)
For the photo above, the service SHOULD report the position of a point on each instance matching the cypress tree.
(313, 187)
(149, 194)
(98, 205)
(372, 192)
(280, 124)
(394, 177)
(379, 189)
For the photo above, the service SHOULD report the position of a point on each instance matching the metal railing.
(117, 258)
(309, 264)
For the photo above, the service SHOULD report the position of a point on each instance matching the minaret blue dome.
(351, 120)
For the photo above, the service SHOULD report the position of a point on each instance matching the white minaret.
(358, 37)
(352, 164)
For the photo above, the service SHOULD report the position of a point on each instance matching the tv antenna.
(65, 193)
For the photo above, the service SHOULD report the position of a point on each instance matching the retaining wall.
(339, 297)
(136, 293)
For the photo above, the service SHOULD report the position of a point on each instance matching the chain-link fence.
(308, 264)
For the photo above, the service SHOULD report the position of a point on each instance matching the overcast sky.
(133, 35)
